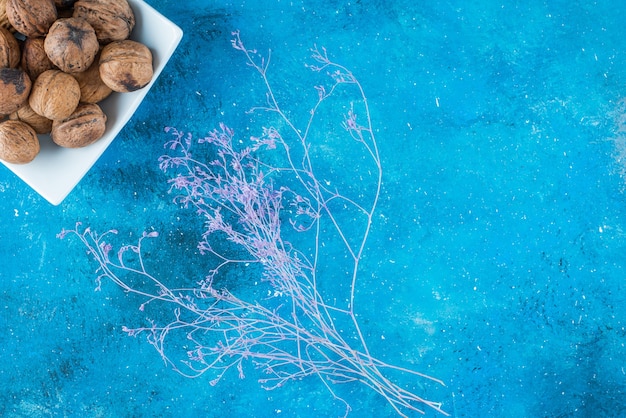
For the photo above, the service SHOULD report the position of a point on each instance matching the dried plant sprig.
(293, 333)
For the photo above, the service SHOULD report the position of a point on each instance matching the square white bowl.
(56, 171)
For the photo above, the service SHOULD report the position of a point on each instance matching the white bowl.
(56, 171)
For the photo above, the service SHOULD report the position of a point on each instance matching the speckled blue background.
(496, 262)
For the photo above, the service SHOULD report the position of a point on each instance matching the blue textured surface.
(497, 261)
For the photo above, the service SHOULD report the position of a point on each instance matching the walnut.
(4, 21)
(31, 17)
(26, 114)
(92, 88)
(9, 49)
(55, 94)
(126, 65)
(71, 44)
(113, 20)
(18, 142)
(34, 58)
(83, 127)
(15, 86)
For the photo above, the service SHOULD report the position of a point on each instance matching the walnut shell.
(34, 58)
(83, 127)
(4, 21)
(15, 86)
(71, 44)
(31, 17)
(126, 65)
(92, 88)
(18, 142)
(55, 94)
(113, 20)
(9, 49)
(26, 114)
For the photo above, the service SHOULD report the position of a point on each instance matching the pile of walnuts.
(58, 59)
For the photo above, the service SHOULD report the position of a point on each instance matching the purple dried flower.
(244, 199)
